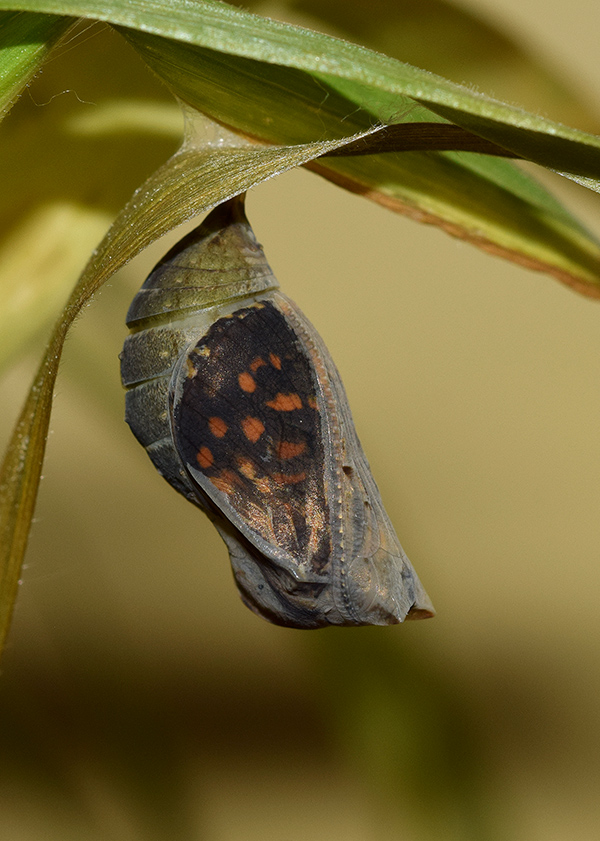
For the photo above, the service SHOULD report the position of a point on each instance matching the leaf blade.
(333, 86)
(486, 201)
(25, 41)
(456, 42)
(223, 28)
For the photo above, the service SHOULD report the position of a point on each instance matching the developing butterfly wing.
(261, 423)
(247, 427)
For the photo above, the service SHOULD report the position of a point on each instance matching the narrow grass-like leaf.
(287, 85)
(25, 41)
(354, 71)
(189, 183)
(485, 200)
(467, 45)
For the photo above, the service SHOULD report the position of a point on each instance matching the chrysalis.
(240, 407)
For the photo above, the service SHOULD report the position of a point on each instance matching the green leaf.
(484, 200)
(189, 183)
(463, 44)
(287, 85)
(218, 26)
(25, 41)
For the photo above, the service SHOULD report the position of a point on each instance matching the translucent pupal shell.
(240, 407)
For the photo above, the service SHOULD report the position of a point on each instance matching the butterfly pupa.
(240, 407)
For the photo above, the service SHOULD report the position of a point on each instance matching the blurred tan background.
(140, 700)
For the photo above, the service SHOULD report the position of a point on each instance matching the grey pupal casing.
(217, 272)
(372, 580)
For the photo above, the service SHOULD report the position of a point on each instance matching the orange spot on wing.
(256, 364)
(204, 457)
(312, 402)
(247, 382)
(289, 479)
(226, 481)
(290, 449)
(285, 402)
(247, 468)
(275, 361)
(253, 428)
(217, 426)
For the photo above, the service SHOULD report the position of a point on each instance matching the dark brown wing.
(247, 427)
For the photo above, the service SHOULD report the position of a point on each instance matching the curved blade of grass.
(485, 200)
(191, 182)
(353, 70)
(329, 87)
(25, 41)
(455, 42)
